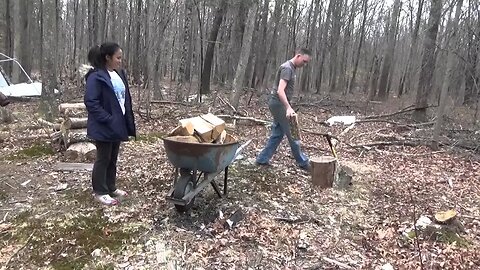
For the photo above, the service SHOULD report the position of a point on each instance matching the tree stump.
(323, 171)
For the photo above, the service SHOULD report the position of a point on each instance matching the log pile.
(70, 134)
(206, 128)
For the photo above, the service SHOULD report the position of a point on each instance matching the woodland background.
(382, 49)
(407, 70)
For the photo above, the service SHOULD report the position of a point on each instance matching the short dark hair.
(303, 51)
(96, 55)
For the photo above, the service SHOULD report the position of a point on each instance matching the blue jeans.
(280, 128)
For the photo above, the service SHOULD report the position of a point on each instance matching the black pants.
(105, 167)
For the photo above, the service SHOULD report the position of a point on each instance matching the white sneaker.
(106, 199)
(119, 193)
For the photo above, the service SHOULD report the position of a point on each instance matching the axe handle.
(332, 148)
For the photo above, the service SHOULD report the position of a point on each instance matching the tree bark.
(25, 56)
(207, 65)
(184, 74)
(323, 171)
(270, 60)
(451, 48)
(311, 43)
(50, 52)
(428, 62)
(359, 48)
(261, 48)
(334, 40)
(389, 52)
(410, 78)
(136, 43)
(9, 36)
(244, 55)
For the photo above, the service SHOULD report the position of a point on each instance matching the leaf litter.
(51, 221)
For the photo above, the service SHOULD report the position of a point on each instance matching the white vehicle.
(28, 89)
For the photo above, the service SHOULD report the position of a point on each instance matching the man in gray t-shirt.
(285, 72)
(279, 105)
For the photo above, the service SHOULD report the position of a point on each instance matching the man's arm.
(283, 97)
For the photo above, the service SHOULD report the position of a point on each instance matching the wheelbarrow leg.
(225, 181)
(216, 188)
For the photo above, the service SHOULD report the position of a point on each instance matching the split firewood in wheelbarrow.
(206, 128)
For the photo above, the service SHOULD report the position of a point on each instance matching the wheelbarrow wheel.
(183, 186)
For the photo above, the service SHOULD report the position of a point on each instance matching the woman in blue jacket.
(110, 117)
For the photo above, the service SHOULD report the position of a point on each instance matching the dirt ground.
(49, 220)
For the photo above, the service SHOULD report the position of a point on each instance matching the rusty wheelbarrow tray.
(194, 160)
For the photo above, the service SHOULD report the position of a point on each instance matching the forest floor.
(49, 220)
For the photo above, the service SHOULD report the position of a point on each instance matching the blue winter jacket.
(106, 122)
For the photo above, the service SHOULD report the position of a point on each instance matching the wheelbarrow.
(191, 161)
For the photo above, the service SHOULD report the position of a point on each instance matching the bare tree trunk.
(374, 78)
(343, 82)
(311, 42)
(389, 51)
(75, 33)
(261, 48)
(360, 43)
(244, 55)
(324, 45)
(25, 55)
(270, 60)
(335, 37)
(186, 44)
(136, 43)
(292, 31)
(237, 33)
(49, 68)
(452, 44)
(428, 62)
(92, 23)
(410, 78)
(9, 36)
(207, 65)
(473, 51)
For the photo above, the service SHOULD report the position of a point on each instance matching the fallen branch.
(373, 144)
(377, 121)
(170, 102)
(339, 264)
(320, 134)
(405, 110)
(20, 249)
(298, 220)
(255, 120)
(417, 242)
(327, 135)
(470, 217)
(335, 142)
(408, 154)
(230, 106)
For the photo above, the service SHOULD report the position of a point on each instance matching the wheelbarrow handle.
(240, 149)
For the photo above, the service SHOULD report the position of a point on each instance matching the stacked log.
(70, 134)
(206, 128)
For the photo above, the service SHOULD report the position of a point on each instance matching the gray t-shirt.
(287, 72)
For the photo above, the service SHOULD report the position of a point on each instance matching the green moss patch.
(450, 237)
(34, 151)
(150, 137)
(67, 243)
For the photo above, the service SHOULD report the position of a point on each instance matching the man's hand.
(290, 112)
